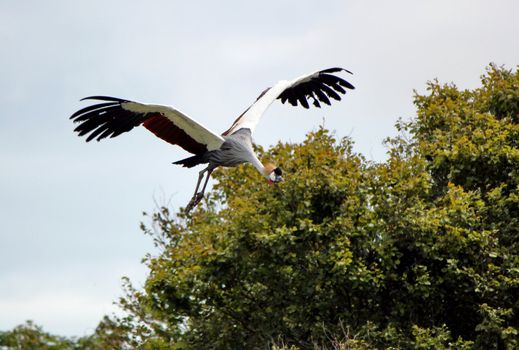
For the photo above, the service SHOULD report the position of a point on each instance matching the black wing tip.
(112, 101)
(321, 87)
(335, 70)
(105, 98)
(342, 82)
(77, 116)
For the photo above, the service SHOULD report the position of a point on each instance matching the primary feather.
(110, 119)
(317, 87)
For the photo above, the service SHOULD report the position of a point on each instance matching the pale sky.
(70, 211)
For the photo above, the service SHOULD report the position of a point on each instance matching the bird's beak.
(278, 179)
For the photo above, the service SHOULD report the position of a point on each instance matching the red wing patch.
(162, 127)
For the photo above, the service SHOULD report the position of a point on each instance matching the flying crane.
(113, 116)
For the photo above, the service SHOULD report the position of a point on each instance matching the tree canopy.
(420, 251)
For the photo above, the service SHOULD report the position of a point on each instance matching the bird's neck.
(258, 165)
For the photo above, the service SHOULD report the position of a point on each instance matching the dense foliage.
(31, 336)
(421, 251)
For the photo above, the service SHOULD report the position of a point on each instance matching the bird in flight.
(114, 116)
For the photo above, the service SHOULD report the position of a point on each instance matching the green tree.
(111, 334)
(420, 251)
(30, 336)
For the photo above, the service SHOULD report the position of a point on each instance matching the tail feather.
(191, 161)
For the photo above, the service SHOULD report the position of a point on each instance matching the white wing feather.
(251, 117)
(197, 131)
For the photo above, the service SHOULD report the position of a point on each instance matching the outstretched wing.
(116, 116)
(316, 87)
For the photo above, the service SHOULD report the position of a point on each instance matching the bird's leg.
(200, 177)
(197, 196)
(206, 181)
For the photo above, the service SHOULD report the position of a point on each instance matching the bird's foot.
(194, 201)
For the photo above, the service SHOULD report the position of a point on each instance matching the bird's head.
(273, 173)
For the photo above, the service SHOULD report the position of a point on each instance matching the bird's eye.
(275, 176)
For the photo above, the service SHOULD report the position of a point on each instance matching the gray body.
(237, 149)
